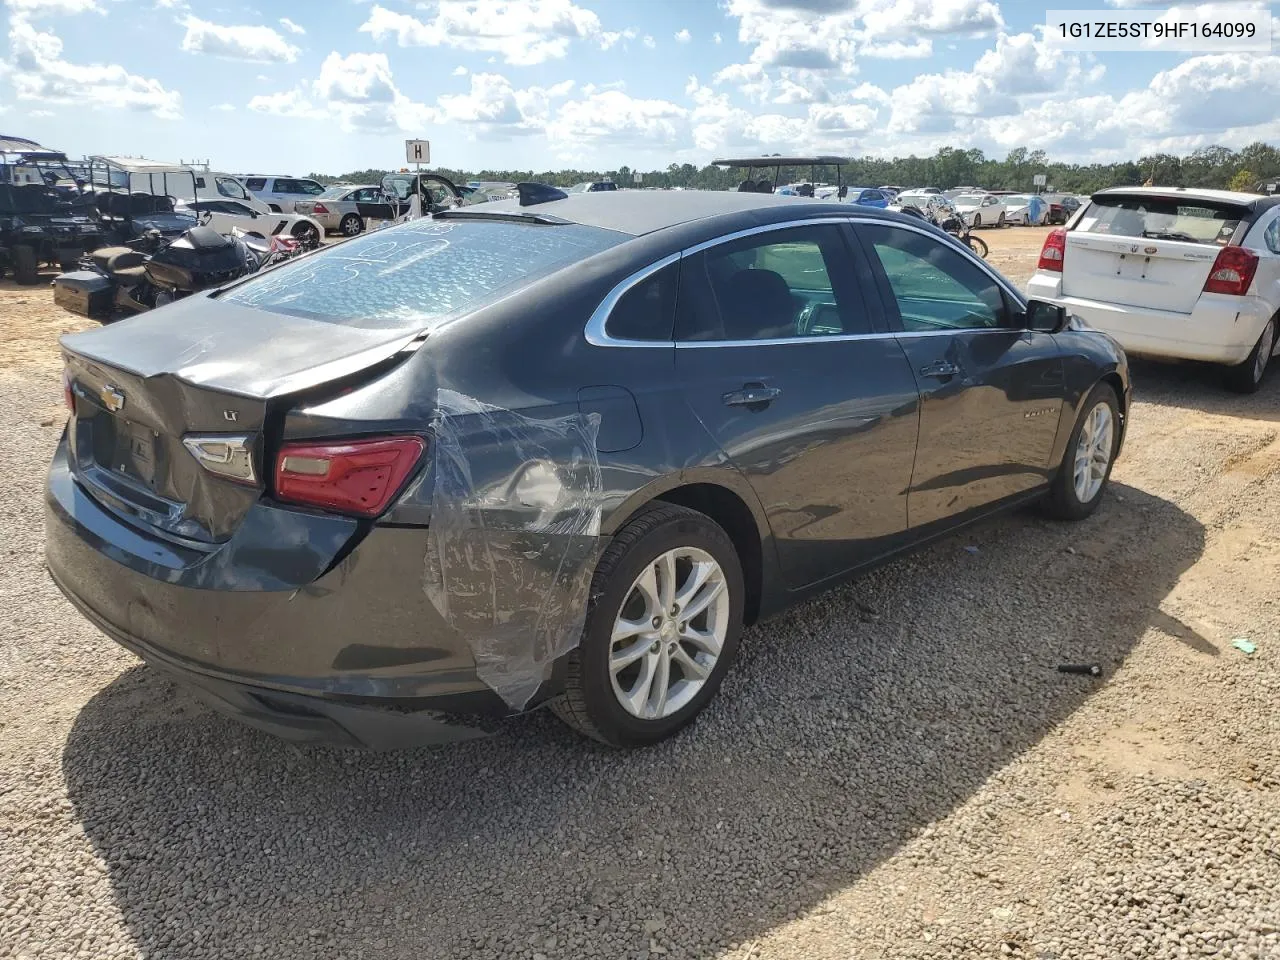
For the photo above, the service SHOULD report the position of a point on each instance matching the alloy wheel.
(1093, 452)
(669, 633)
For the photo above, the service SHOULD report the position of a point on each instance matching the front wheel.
(662, 628)
(978, 246)
(1026, 220)
(307, 235)
(1001, 222)
(1247, 377)
(977, 221)
(1086, 463)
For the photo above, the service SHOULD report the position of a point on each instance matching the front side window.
(230, 188)
(774, 285)
(647, 311)
(418, 274)
(935, 287)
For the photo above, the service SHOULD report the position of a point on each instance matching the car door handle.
(939, 368)
(752, 394)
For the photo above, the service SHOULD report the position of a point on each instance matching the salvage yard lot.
(896, 769)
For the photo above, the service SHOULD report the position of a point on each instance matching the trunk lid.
(1147, 250)
(175, 441)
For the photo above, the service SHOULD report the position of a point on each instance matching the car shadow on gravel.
(847, 726)
(1199, 386)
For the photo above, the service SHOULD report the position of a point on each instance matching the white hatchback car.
(1179, 273)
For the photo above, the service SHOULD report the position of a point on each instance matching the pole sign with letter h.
(417, 151)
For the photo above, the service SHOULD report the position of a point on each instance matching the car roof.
(1195, 193)
(639, 212)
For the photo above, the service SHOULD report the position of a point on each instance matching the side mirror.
(1045, 317)
(255, 213)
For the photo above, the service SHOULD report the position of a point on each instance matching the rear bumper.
(355, 655)
(303, 718)
(1221, 329)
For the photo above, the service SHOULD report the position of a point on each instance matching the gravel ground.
(894, 770)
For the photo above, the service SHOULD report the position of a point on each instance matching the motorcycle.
(960, 230)
(115, 282)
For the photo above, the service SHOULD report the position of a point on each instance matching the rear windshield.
(1163, 218)
(420, 273)
(335, 193)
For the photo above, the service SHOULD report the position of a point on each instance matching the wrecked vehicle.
(43, 219)
(551, 451)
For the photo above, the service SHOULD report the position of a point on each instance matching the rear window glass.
(419, 273)
(1163, 218)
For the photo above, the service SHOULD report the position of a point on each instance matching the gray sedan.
(347, 209)
(552, 451)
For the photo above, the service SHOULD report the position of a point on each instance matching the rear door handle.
(939, 368)
(752, 394)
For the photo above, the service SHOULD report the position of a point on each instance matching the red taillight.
(1232, 271)
(1054, 251)
(319, 208)
(351, 476)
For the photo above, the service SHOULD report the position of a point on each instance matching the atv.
(44, 217)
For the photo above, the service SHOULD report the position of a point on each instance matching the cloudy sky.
(290, 86)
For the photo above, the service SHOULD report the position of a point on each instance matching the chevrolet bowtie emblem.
(112, 398)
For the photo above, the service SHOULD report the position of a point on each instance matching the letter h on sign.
(417, 151)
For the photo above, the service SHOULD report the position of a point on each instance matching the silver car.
(348, 208)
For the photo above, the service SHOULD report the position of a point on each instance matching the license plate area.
(1132, 266)
(126, 449)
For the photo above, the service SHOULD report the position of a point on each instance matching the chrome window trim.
(595, 329)
(597, 335)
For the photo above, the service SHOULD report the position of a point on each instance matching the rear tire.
(630, 583)
(352, 225)
(978, 246)
(1073, 496)
(1247, 377)
(26, 268)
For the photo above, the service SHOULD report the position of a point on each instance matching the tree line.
(1213, 166)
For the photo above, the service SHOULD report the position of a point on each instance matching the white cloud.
(499, 110)
(255, 44)
(717, 39)
(683, 36)
(37, 72)
(291, 26)
(1018, 66)
(525, 32)
(358, 78)
(48, 8)
(459, 71)
(224, 107)
(40, 113)
(288, 103)
(618, 119)
(609, 37)
(649, 41)
(358, 91)
(897, 50)
(907, 18)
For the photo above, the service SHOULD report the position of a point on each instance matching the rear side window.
(256, 183)
(781, 284)
(648, 310)
(419, 273)
(1163, 218)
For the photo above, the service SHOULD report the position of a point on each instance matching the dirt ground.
(895, 770)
